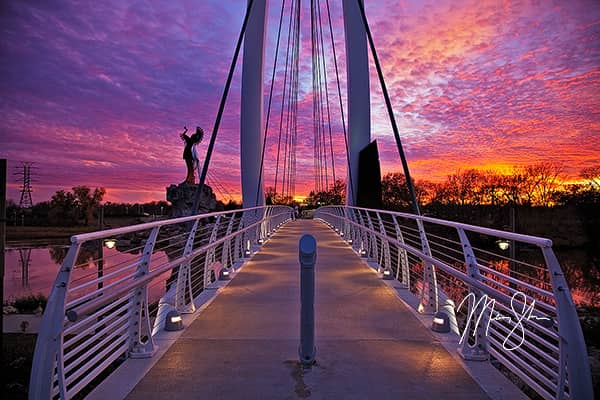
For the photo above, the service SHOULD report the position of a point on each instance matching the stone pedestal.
(182, 198)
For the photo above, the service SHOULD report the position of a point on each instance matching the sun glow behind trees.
(539, 184)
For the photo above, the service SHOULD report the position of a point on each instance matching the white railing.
(104, 305)
(517, 310)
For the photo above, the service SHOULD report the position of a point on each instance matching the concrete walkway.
(245, 344)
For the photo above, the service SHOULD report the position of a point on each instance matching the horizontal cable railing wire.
(105, 305)
(516, 310)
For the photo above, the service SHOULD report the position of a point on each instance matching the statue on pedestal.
(189, 152)
(182, 196)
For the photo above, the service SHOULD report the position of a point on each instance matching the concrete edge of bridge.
(124, 379)
(496, 385)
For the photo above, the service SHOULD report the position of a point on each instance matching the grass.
(17, 357)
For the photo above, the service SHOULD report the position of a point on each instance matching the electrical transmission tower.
(24, 174)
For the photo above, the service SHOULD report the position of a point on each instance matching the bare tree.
(543, 179)
(592, 175)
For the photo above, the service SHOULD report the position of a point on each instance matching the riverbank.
(44, 234)
(40, 235)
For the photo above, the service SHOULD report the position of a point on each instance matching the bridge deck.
(244, 345)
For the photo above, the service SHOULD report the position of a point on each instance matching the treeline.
(80, 206)
(540, 184)
(83, 206)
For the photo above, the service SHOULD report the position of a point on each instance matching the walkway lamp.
(441, 322)
(173, 321)
(110, 243)
(387, 275)
(224, 274)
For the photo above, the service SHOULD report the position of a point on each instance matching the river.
(32, 270)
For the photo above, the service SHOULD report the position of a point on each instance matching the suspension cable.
(337, 77)
(288, 105)
(390, 111)
(319, 153)
(285, 78)
(296, 70)
(213, 136)
(326, 91)
(287, 96)
(315, 136)
(321, 120)
(262, 156)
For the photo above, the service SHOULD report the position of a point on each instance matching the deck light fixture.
(110, 243)
(173, 321)
(224, 274)
(441, 322)
(387, 274)
(503, 244)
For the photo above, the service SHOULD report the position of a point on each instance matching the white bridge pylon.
(251, 129)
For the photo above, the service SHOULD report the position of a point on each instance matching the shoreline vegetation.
(42, 235)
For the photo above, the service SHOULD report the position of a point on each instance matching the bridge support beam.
(251, 129)
(359, 102)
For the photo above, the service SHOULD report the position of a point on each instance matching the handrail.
(114, 320)
(86, 237)
(534, 240)
(496, 286)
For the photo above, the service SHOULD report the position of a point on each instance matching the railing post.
(364, 241)
(210, 259)
(265, 228)
(478, 351)
(429, 295)
(184, 276)
(307, 250)
(385, 260)
(227, 258)
(247, 220)
(373, 251)
(573, 352)
(50, 337)
(339, 212)
(238, 246)
(347, 226)
(402, 263)
(138, 311)
(356, 232)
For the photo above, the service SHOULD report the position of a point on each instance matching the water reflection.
(25, 260)
(32, 270)
(582, 271)
(29, 271)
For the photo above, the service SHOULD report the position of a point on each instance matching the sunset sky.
(95, 93)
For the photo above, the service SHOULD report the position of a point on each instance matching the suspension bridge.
(405, 305)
